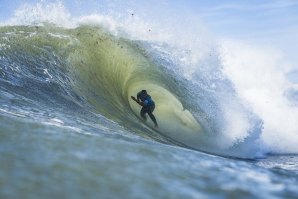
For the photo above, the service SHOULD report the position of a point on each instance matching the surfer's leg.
(143, 113)
(152, 118)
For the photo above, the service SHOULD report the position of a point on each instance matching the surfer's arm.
(137, 101)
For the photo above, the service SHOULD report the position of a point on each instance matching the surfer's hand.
(132, 97)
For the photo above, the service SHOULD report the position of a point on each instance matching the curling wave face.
(89, 68)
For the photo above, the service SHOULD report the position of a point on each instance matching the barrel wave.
(226, 105)
(87, 70)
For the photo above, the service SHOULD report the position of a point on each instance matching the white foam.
(39, 13)
(259, 76)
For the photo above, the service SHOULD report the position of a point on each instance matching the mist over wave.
(226, 98)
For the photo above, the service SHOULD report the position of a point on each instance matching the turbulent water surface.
(70, 130)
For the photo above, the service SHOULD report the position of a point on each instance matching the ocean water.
(70, 130)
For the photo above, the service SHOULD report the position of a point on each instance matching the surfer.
(147, 104)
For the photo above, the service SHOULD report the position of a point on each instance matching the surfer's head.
(144, 91)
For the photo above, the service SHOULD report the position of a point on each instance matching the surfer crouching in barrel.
(147, 104)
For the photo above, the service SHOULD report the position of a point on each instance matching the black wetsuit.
(148, 106)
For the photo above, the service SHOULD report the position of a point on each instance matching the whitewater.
(227, 111)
